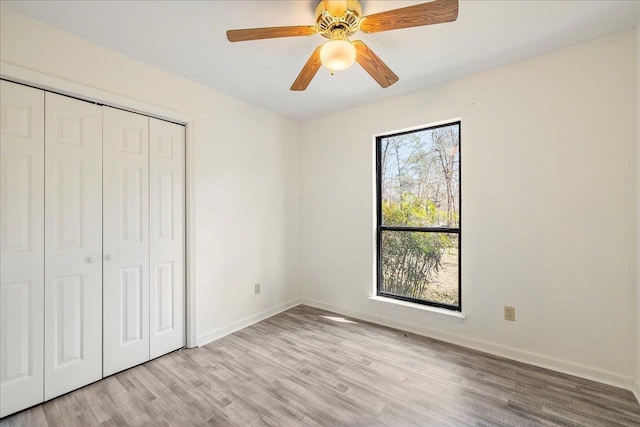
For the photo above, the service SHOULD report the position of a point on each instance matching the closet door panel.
(73, 244)
(126, 240)
(167, 287)
(21, 247)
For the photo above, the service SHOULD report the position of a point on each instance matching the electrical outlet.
(256, 288)
(509, 313)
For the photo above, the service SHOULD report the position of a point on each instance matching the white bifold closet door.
(21, 247)
(167, 283)
(126, 239)
(73, 244)
(92, 243)
(144, 282)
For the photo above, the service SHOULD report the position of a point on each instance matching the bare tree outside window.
(419, 215)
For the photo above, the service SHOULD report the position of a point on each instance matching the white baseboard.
(536, 359)
(243, 323)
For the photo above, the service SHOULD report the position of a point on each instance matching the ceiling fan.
(337, 20)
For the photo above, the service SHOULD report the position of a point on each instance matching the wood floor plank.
(308, 367)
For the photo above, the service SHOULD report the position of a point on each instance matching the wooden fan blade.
(335, 7)
(435, 12)
(373, 65)
(269, 33)
(308, 71)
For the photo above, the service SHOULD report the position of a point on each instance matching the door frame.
(54, 84)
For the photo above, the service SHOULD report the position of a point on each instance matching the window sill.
(438, 313)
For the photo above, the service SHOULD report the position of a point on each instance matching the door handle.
(92, 259)
(110, 257)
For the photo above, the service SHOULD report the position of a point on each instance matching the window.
(418, 216)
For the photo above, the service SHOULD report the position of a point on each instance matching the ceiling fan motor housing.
(347, 24)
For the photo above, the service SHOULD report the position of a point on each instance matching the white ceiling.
(188, 38)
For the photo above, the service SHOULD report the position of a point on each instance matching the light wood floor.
(300, 368)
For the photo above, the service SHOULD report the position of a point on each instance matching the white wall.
(548, 214)
(246, 191)
(637, 385)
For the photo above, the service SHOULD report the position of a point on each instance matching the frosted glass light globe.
(337, 55)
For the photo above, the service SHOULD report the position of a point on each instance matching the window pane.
(419, 175)
(420, 265)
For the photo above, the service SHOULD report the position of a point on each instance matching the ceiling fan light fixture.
(337, 55)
